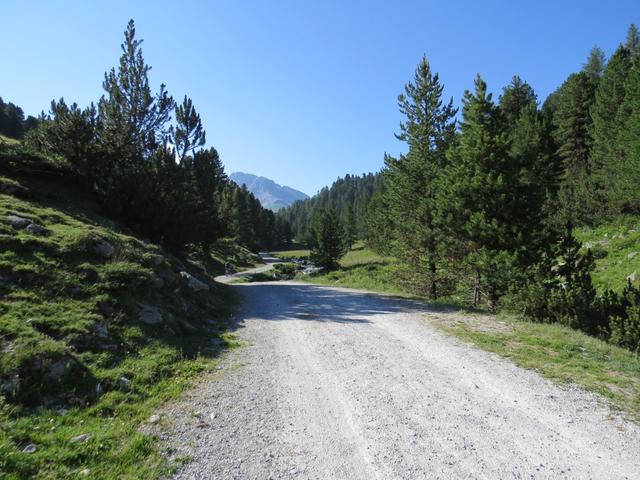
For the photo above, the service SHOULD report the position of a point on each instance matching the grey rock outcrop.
(193, 283)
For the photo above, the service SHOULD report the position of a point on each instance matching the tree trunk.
(476, 290)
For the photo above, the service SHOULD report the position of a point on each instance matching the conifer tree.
(132, 119)
(625, 192)
(608, 121)
(633, 40)
(411, 180)
(477, 198)
(595, 64)
(572, 123)
(188, 134)
(516, 97)
(329, 241)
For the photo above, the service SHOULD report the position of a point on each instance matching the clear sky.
(300, 91)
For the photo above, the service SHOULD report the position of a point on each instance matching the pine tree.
(477, 200)
(608, 120)
(411, 180)
(595, 64)
(516, 97)
(572, 123)
(133, 120)
(633, 40)
(188, 134)
(329, 241)
(625, 193)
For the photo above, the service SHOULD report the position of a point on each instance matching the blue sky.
(301, 92)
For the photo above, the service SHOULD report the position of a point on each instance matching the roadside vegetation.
(516, 205)
(114, 222)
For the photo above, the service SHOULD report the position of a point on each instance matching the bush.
(285, 271)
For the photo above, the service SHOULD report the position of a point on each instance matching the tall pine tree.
(411, 180)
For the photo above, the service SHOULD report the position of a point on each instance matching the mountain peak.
(270, 194)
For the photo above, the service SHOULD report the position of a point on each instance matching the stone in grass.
(149, 314)
(31, 448)
(153, 419)
(18, 222)
(193, 283)
(632, 254)
(80, 438)
(37, 229)
(633, 276)
(124, 383)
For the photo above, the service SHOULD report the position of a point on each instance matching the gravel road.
(341, 384)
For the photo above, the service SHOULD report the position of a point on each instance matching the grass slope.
(616, 247)
(79, 371)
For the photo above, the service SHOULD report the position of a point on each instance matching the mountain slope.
(96, 324)
(270, 194)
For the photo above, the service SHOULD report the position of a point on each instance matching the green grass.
(617, 250)
(294, 253)
(56, 293)
(364, 269)
(8, 141)
(560, 354)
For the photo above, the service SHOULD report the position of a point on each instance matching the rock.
(153, 419)
(12, 188)
(85, 472)
(103, 248)
(57, 370)
(633, 276)
(80, 438)
(632, 254)
(18, 222)
(124, 383)
(37, 229)
(101, 330)
(31, 448)
(157, 260)
(149, 314)
(193, 283)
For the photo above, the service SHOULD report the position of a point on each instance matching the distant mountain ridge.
(271, 195)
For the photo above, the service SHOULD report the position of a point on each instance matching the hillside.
(98, 327)
(271, 195)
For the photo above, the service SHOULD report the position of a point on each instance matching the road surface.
(269, 261)
(341, 384)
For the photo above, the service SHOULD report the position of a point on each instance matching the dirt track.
(340, 384)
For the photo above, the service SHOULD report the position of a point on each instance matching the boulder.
(632, 278)
(12, 188)
(193, 283)
(149, 314)
(124, 383)
(103, 248)
(57, 370)
(37, 229)
(156, 260)
(101, 330)
(18, 222)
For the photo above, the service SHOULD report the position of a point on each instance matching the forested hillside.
(350, 197)
(486, 200)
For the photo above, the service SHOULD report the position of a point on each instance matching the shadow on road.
(282, 301)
